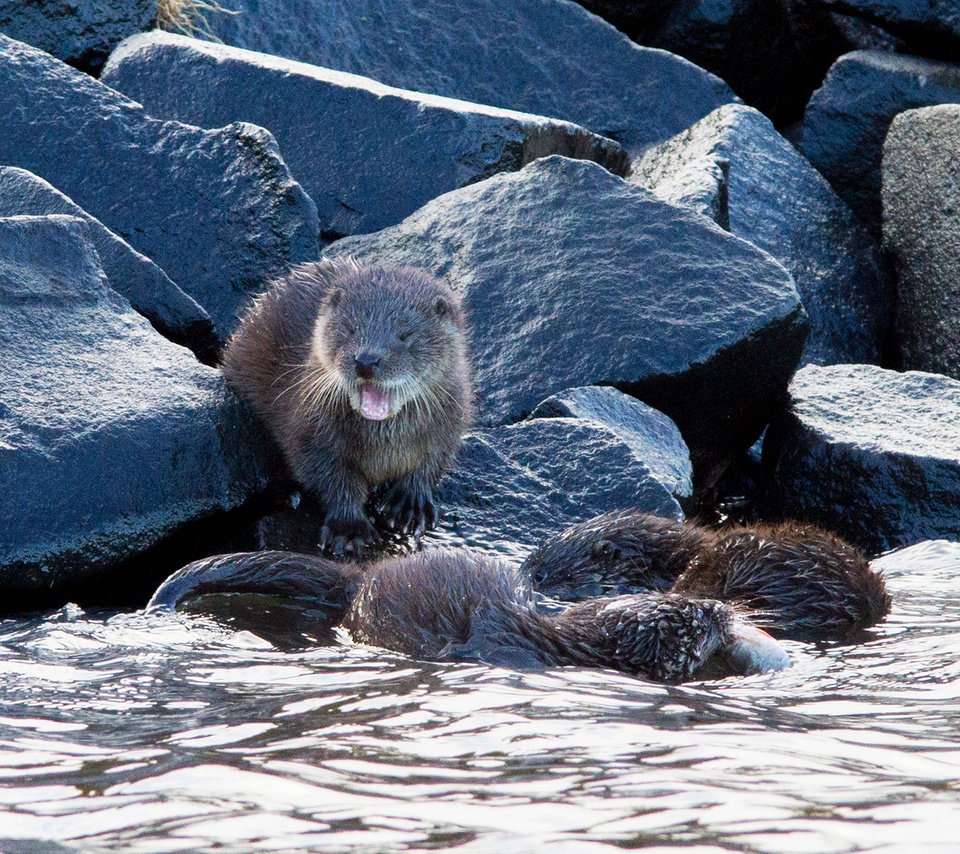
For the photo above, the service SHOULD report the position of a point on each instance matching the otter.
(800, 581)
(362, 378)
(464, 606)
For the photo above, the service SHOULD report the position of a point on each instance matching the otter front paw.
(351, 535)
(409, 509)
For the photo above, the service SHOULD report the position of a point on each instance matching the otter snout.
(366, 365)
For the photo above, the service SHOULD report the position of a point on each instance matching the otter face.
(387, 337)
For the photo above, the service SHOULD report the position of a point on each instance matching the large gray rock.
(217, 210)
(549, 57)
(925, 24)
(775, 199)
(921, 228)
(847, 119)
(111, 437)
(870, 453)
(143, 283)
(81, 32)
(572, 276)
(367, 154)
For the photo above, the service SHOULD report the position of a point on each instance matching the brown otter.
(458, 605)
(362, 378)
(800, 580)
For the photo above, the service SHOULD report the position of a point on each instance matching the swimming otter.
(458, 605)
(361, 375)
(801, 581)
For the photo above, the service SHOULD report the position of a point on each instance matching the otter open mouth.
(374, 403)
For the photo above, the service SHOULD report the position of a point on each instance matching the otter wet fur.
(463, 606)
(362, 377)
(799, 580)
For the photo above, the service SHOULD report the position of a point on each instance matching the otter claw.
(410, 512)
(348, 536)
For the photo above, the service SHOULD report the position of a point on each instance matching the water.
(176, 732)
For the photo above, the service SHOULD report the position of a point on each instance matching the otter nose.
(366, 364)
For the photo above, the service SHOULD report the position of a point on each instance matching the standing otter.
(463, 606)
(362, 378)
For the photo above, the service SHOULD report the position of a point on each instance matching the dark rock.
(921, 222)
(81, 33)
(548, 57)
(775, 199)
(847, 119)
(573, 276)
(111, 437)
(217, 210)
(150, 291)
(923, 25)
(368, 155)
(869, 453)
(652, 436)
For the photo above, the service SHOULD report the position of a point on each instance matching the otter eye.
(404, 336)
(440, 306)
(351, 330)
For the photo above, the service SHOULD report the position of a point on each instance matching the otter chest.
(387, 450)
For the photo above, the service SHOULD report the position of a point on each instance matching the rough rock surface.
(81, 33)
(217, 210)
(572, 276)
(921, 228)
(870, 453)
(367, 154)
(110, 436)
(776, 200)
(848, 117)
(143, 283)
(548, 57)
(651, 435)
(924, 24)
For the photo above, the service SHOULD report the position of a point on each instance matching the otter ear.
(441, 307)
(334, 297)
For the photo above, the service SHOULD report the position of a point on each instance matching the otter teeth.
(374, 403)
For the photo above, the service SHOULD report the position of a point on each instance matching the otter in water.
(800, 580)
(463, 606)
(361, 376)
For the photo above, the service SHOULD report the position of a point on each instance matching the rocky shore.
(662, 262)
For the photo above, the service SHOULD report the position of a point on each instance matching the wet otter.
(362, 378)
(458, 605)
(800, 580)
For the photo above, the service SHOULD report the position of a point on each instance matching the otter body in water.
(362, 378)
(446, 605)
(801, 580)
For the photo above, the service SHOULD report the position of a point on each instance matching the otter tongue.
(374, 403)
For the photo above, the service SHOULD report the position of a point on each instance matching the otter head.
(388, 337)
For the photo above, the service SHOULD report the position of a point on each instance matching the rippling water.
(174, 732)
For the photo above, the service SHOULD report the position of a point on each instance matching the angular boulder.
(367, 154)
(111, 437)
(572, 276)
(149, 290)
(548, 57)
(870, 453)
(921, 225)
(847, 119)
(775, 199)
(217, 210)
(926, 25)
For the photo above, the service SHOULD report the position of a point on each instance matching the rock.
(652, 436)
(776, 200)
(216, 210)
(925, 25)
(847, 119)
(81, 33)
(143, 283)
(111, 437)
(572, 276)
(548, 57)
(368, 155)
(921, 224)
(870, 453)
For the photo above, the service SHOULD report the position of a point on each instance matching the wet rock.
(733, 160)
(539, 56)
(921, 221)
(143, 283)
(216, 210)
(81, 33)
(572, 276)
(111, 437)
(651, 435)
(847, 119)
(390, 151)
(870, 453)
